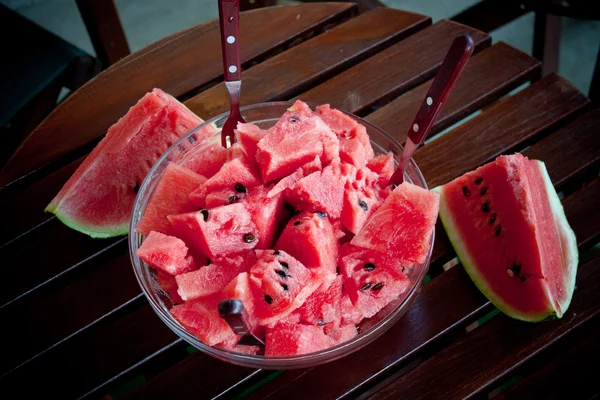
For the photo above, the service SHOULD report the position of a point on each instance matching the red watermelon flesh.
(98, 198)
(201, 318)
(341, 334)
(295, 140)
(217, 232)
(266, 213)
(281, 284)
(289, 181)
(403, 225)
(383, 166)
(231, 345)
(323, 306)
(214, 277)
(235, 177)
(355, 146)
(309, 238)
(362, 196)
(171, 196)
(208, 158)
(509, 229)
(349, 313)
(239, 288)
(286, 339)
(169, 285)
(166, 253)
(248, 135)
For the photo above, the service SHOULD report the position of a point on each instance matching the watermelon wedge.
(98, 198)
(510, 232)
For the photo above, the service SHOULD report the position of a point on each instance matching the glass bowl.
(266, 115)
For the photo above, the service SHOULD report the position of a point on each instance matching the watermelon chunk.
(218, 232)
(508, 227)
(239, 288)
(403, 225)
(207, 157)
(309, 238)
(295, 140)
(214, 277)
(166, 253)
(382, 165)
(248, 135)
(98, 198)
(286, 339)
(289, 181)
(171, 196)
(341, 334)
(323, 306)
(201, 318)
(281, 284)
(355, 146)
(266, 213)
(350, 314)
(169, 285)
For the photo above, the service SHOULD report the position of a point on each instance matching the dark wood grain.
(581, 209)
(315, 60)
(564, 372)
(488, 76)
(505, 127)
(482, 357)
(388, 74)
(177, 64)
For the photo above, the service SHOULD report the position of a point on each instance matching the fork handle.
(229, 19)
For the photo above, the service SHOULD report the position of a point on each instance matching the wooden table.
(75, 322)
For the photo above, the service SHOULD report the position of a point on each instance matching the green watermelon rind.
(568, 241)
(92, 231)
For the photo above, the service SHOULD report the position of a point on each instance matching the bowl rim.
(250, 360)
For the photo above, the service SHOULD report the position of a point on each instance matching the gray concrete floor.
(146, 21)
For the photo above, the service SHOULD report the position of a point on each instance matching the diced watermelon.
(248, 136)
(402, 227)
(341, 334)
(208, 158)
(235, 151)
(218, 232)
(171, 196)
(166, 253)
(212, 278)
(201, 318)
(295, 140)
(266, 212)
(239, 288)
(309, 238)
(362, 196)
(231, 345)
(350, 314)
(286, 339)
(355, 146)
(221, 198)
(281, 284)
(289, 181)
(323, 306)
(236, 176)
(382, 165)
(169, 285)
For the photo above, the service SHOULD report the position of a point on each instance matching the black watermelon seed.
(297, 223)
(498, 230)
(378, 286)
(516, 268)
(192, 139)
(294, 119)
(240, 188)
(284, 286)
(320, 322)
(281, 273)
(365, 286)
(268, 299)
(369, 267)
(232, 199)
(284, 264)
(276, 253)
(465, 191)
(492, 219)
(321, 214)
(478, 181)
(363, 205)
(483, 190)
(485, 207)
(394, 186)
(337, 270)
(249, 238)
(205, 213)
(208, 261)
(136, 188)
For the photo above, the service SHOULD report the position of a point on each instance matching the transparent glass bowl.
(266, 115)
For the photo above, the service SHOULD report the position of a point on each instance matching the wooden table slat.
(482, 357)
(361, 86)
(315, 60)
(87, 113)
(487, 76)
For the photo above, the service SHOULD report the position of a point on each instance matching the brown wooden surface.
(86, 115)
(74, 301)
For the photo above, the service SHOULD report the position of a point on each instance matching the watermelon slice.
(98, 198)
(213, 277)
(287, 339)
(355, 146)
(403, 226)
(171, 196)
(166, 253)
(266, 213)
(510, 232)
(281, 284)
(218, 232)
(295, 140)
(201, 318)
